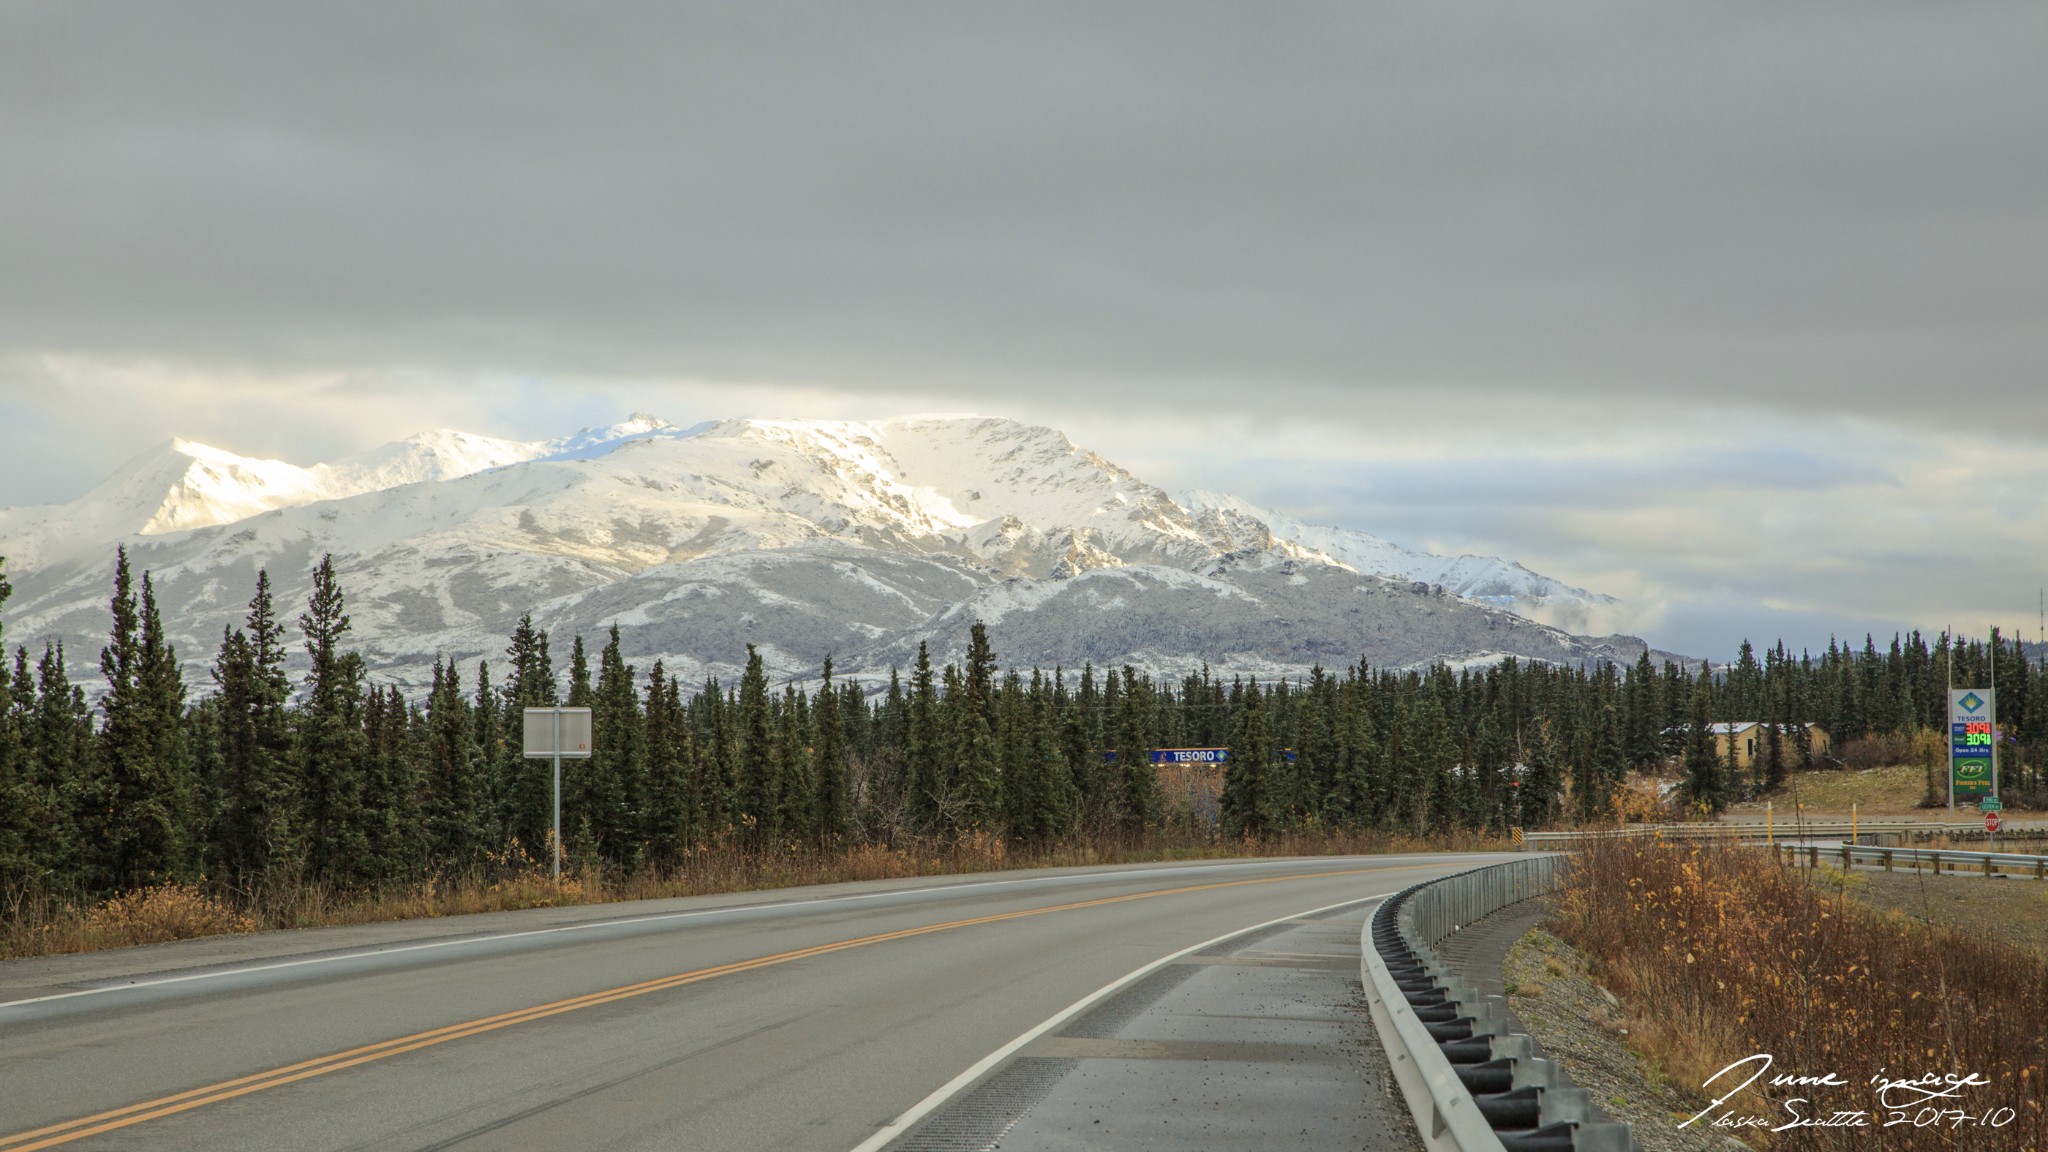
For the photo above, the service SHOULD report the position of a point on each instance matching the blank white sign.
(540, 732)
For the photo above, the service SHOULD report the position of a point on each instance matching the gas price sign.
(1970, 715)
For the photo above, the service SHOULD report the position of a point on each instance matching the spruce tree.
(528, 785)
(975, 798)
(1246, 806)
(14, 801)
(615, 773)
(1541, 777)
(718, 766)
(1610, 765)
(460, 828)
(330, 741)
(828, 744)
(923, 747)
(796, 785)
(393, 787)
(1704, 787)
(138, 798)
(755, 800)
(57, 773)
(255, 821)
(669, 814)
(1138, 779)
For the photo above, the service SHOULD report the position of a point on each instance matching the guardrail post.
(1813, 855)
(1845, 857)
(1887, 859)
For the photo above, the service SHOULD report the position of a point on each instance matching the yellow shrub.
(164, 913)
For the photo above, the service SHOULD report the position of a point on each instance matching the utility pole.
(1950, 696)
(1994, 711)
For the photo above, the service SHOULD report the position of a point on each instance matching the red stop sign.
(1991, 821)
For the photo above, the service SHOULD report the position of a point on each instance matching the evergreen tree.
(828, 739)
(394, 780)
(755, 803)
(1703, 786)
(460, 829)
(974, 799)
(796, 786)
(60, 745)
(330, 741)
(718, 770)
(1610, 766)
(14, 800)
(1137, 797)
(614, 776)
(255, 821)
(139, 797)
(923, 748)
(527, 790)
(1246, 806)
(670, 813)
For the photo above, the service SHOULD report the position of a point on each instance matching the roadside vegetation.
(1717, 953)
(33, 923)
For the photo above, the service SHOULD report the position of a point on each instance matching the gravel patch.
(1579, 1024)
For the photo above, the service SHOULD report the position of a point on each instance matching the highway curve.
(804, 1019)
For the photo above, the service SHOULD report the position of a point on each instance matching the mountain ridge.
(804, 537)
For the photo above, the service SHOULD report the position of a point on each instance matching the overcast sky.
(1738, 311)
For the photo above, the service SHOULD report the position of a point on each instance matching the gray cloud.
(1431, 228)
(1785, 205)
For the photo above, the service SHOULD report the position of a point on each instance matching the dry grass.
(35, 923)
(1893, 790)
(155, 915)
(1720, 954)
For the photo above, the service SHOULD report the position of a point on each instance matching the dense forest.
(346, 782)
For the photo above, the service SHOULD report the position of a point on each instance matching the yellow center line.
(55, 1134)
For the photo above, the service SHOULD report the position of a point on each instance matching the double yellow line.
(79, 1129)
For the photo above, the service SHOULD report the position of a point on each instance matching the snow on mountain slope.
(183, 484)
(440, 455)
(590, 443)
(176, 485)
(1488, 579)
(806, 538)
(1266, 616)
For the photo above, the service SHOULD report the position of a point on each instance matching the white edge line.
(656, 918)
(957, 1084)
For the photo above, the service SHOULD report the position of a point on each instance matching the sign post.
(1970, 747)
(557, 733)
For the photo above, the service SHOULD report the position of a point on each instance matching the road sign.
(1991, 821)
(1969, 748)
(1189, 755)
(1990, 804)
(544, 740)
(557, 734)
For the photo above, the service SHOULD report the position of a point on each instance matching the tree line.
(331, 777)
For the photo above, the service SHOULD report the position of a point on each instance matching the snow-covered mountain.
(805, 538)
(182, 484)
(1487, 579)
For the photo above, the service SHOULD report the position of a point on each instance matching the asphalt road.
(805, 1019)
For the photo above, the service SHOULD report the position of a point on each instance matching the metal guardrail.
(1919, 859)
(1470, 1083)
(1783, 830)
